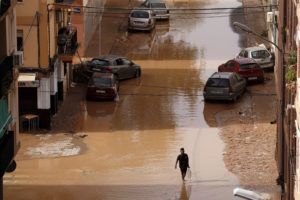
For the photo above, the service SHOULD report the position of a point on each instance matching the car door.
(120, 69)
(129, 68)
(241, 82)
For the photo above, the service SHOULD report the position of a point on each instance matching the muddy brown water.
(132, 144)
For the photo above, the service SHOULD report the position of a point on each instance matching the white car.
(159, 8)
(141, 20)
(260, 54)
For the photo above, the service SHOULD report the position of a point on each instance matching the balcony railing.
(67, 41)
(4, 5)
(6, 75)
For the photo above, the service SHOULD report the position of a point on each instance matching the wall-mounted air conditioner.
(18, 58)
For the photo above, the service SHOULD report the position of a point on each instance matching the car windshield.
(102, 82)
(218, 82)
(100, 62)
(260, 54)
(249, 66)
(140, 14)
(158, 5)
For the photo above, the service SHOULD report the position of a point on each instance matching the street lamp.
(245, 28)
(282, 100)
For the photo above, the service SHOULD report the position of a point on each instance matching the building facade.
(9, 116)
(48, 41)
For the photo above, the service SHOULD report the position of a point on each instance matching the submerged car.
(224, 86)
(142, 20)
(102, 86)
(246, 67)
(159, 8)
(260, 54)
(121, 67)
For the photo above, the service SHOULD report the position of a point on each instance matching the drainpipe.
(38, 39)
(48, 19)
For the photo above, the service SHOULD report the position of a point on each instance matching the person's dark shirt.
(183, 160)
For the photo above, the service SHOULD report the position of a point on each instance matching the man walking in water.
(183, 159)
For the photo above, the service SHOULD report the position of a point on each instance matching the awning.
(5, 117)
(28, 80)
(26, 77)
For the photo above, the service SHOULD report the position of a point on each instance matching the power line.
(170, 9)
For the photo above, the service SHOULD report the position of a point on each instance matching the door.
(129, 68)
(120, 69)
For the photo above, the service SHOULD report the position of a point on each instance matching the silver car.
(260, 54)
(121, 67)
(224, 86)
(159, 8)
(141, 20)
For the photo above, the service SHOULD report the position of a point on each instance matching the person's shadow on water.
(185, 192)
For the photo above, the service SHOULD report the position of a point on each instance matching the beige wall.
(30, 52)
(26, 12)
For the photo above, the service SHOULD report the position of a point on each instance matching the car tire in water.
(138, 73)
(261, 79)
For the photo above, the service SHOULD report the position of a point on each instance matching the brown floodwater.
(132, 144)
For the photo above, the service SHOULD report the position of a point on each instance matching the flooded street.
(127, 149)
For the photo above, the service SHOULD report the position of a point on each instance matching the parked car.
(260, 54)
(159, 8)
(102, 86)
(121, 67)
(142, 20)
(224, 86)
(246, 67)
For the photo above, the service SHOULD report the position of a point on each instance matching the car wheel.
(234, 99)
(261, 79)
(138, 73)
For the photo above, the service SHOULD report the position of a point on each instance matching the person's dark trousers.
(1, 188)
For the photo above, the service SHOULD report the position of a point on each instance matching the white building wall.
(44, 94)
(53, 78)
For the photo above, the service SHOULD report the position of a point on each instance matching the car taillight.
(149, 22)
(230, 90)
(109, 69)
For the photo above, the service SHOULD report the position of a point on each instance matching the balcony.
(6, 75)
(4, 5)
(67, 44)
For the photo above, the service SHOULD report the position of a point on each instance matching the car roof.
(256, 48)
(102, 75)
(140, 9)
(224, 75)
(107, 57)
(244, 60)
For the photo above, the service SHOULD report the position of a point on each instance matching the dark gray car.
(122, 67)
(224, 86)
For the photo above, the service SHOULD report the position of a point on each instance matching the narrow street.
(127, 149)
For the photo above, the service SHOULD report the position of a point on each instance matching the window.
(230, 64)
(19, 40)
(139, 14)
(102, 82)
(246, 54)
(20, 1)
(125, 61)
(218, 82)
(260, 54)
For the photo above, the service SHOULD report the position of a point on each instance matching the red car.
(102, 86)
(246, 67)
